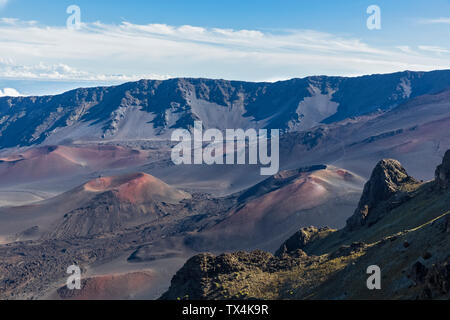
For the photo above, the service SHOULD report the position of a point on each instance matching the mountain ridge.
(154, 107)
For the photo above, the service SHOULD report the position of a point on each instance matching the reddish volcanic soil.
(56, 161)
(307, 191)
(304, 193)
(330, 193)
(136, 192)
(110, 287)
(136, 188)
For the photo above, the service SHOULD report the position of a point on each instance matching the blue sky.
(243, 40)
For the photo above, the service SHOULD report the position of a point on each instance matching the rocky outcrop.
(433, 280)
(437, 281)
(206, 276)
(348, 250)
(192, 280)
(301, 239)
(388, 179)
(443, 172)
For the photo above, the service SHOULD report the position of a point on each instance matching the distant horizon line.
(192, 78)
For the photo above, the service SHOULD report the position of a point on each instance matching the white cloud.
(406, 49)
(129, 51)
(61, 71)
(434, 49)
(442, 20)
(9, 92)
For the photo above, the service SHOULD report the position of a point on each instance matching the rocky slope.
(415, 133)
(102, 205)
(118, 203)
(49, 162)
(149, 109)
(110, 204)
(404, 229)
(270, 211)
(125, 223)
(110, 287)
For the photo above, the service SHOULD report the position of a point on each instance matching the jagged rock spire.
(388, 178)
(443, 172)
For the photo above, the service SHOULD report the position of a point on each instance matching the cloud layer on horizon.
(129, 51)
(9, 92)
